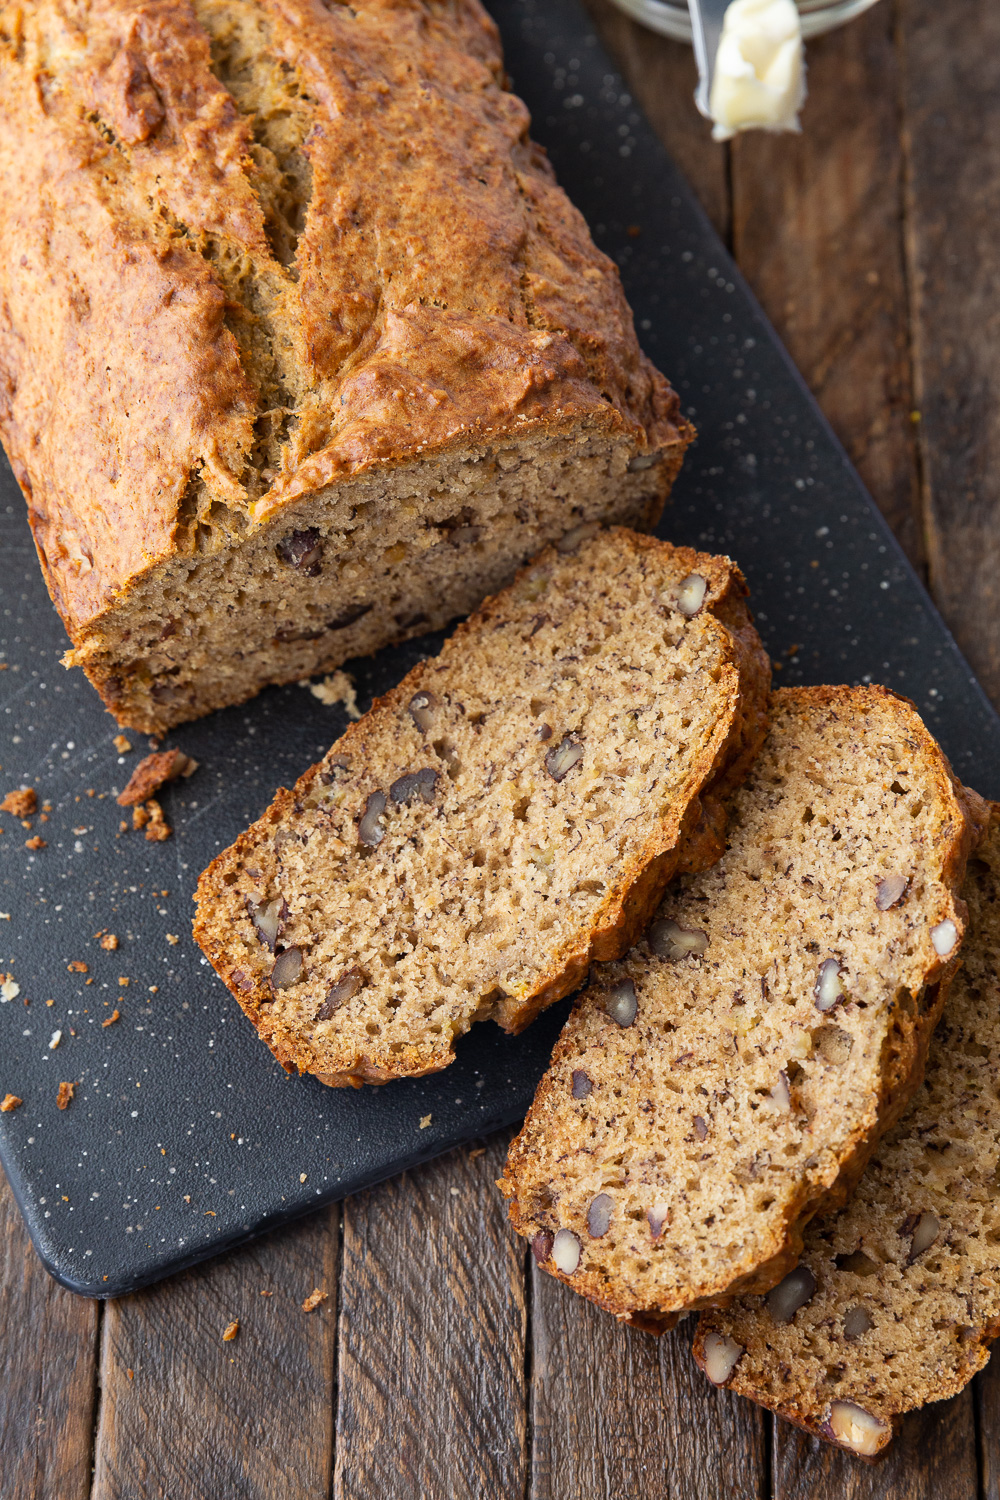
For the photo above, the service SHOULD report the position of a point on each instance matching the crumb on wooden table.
(152, 772)
(22, 802)
(230, 1331)
(313, 1300)
(65, 1094)
(9, 1102)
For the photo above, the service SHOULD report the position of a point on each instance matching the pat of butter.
(759, 79)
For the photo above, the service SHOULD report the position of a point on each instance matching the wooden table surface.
(442, 1365)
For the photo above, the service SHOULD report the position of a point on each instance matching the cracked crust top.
(251, 247)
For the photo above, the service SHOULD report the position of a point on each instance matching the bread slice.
(709, 1093)
(508, 813)
(302, 347)
(896, 1298)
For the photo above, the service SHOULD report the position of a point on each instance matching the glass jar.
(672, 18)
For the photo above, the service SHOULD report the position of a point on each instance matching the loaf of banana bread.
(302, 348)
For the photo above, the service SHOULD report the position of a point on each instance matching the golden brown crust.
(631, 896)
(151, 253)
(959, 822)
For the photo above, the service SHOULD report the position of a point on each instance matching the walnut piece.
(671, 941)
(560, 760)
(721, 1357)
(797, 1288)
(622, 1004)
(566, 1252)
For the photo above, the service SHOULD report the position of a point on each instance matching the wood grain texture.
(986, 1397)
(662, 77)
(185, 1416)
(933, 1458)
(616, 1412)
(817, 231)
(951, 116)
(48, 1373)
(432, 1399)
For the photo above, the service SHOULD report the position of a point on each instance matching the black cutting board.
(184, 1137)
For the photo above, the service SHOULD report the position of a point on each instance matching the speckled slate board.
(184, 1137)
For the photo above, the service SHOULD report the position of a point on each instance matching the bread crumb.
(313, 1300)
(110, 1020)
(10, 1101)
(65, 1094)
(209, 1213)
(36, 842)
(425, 1120)
(159, 829)
(9, 988)
(4, 915)
(337, 688)
(302, 1176)
(230, 1331)
(22, 803)
(56, 1039)
(121, 744)
(109, 941)
(479, 1151)
(123, 981)
(173, 939)
(140, 817)
(267, 1294)
(152, 772)
(123, 826)
(77, 831)
(77, 966)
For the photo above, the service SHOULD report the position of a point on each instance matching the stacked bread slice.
(895, 1299)
(729, 1078)
(512, 814)
(509, 813)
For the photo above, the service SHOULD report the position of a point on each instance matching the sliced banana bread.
(712, 1090)
(897, 1297)
(510, 812)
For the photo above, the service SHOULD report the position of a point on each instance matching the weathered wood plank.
(432, 1335)
(817, 232)
(986, 1396)
(951, 117)
(48, 1373)
(662, 76)
(616, 1412)
(933, 1458)
(185, 1416)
